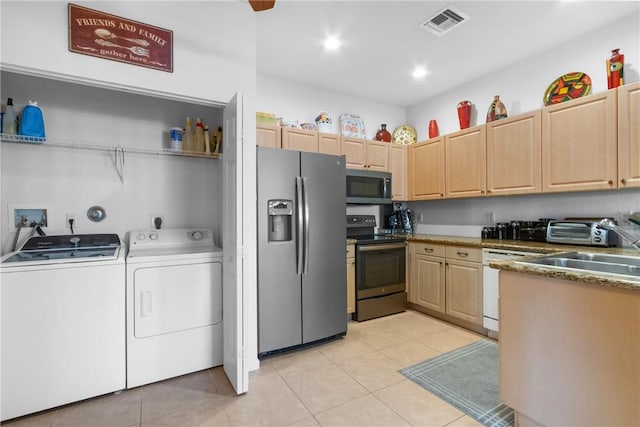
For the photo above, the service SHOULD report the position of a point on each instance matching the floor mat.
(467, 378)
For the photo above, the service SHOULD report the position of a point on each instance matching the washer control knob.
(75, 240)
(140, 236)
(153, 236)
(197, 235)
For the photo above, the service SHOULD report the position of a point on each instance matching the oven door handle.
(380, 247)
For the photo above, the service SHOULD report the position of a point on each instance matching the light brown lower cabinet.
(569, 351)
(351, 279)
(447, 280)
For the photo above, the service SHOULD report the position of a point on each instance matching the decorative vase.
(615, 69)
(464, 114)
(433, 129)
(383, 134)
(497, 110)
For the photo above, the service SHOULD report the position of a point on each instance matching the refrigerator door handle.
(299, 226)
(306, 225)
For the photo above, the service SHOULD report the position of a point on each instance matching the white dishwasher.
(490, 283)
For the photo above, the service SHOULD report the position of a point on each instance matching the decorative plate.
(565, 88)
(323, 117)
(404, 135)
(352, 125)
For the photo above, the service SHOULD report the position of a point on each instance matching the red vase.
(383, 134)
(615, 69)
(464, 114)
(433, 129)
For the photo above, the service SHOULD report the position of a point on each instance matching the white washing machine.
(63, 321)
(174, 304)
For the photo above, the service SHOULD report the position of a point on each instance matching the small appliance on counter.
(580, 231)
(401, 221)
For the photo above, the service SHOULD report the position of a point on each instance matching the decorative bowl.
(308, 126)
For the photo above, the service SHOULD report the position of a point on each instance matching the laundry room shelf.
(87, 145)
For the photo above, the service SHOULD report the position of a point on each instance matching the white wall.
(294, 101)
(213, 54)
(522, 85)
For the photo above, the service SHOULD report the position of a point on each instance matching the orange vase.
(433, 129)
(464, 114)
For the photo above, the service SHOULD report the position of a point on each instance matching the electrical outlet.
(420, 217)
(491, 217)
(155, 217)
(71, 216)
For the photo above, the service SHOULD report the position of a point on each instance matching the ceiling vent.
(444, 21)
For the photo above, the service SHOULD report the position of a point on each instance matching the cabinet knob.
(610, 182)
(488, 191)
(624, 181)
(463, 253)
(428, 249)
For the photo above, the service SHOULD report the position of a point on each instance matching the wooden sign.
(95, 33)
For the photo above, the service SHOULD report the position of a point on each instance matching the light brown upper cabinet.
(398, 169)
(426, 169)
(514, 148)
(329, 143)
(269, 136)
(579, 144)
(300, 139)
(365, 153)
(466, 162)
(629, 135)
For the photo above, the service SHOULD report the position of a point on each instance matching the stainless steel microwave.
(368, 187)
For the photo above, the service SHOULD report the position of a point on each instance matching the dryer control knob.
(153, 236)
(140, 236)
(197, 235)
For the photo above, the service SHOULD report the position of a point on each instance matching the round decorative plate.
(570, 86)
(404, 135)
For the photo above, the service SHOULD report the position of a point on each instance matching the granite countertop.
(596, 278)
(351, 241)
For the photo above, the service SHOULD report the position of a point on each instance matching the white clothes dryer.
(174, 304)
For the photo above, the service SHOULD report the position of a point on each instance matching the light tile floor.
(349, 382)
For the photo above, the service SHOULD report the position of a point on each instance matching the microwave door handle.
(306, 223)
(384, 188)
(299, 226)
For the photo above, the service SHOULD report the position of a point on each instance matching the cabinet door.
(269, 136)
(351, 279)
(300, 139)
(377, 156)
(355, 151)
(579, 144)
(429, 289)
(466, 165)
(464, 290)
(398, 169)
(426, 170)
(629, 135)
(514, 148)
(329, 143)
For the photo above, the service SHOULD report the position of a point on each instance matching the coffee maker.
(402, 221)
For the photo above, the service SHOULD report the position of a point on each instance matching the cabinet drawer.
(429, 249)
(351, 251)
(464, 253)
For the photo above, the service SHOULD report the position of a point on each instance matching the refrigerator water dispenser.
(280, 217)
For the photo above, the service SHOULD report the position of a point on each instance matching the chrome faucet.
(609, 224)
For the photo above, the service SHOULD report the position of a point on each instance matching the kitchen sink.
(621, 265)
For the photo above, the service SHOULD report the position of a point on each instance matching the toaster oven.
(580, 232)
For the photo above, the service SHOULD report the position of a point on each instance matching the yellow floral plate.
(404, 135)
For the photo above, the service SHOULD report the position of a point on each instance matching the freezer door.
(279, 291)
(324, 284)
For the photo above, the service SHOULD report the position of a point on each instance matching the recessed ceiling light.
(419, 72)
(332, 43)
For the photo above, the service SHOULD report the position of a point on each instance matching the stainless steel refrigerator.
(302, 289)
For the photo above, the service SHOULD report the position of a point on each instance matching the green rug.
(467, 378)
